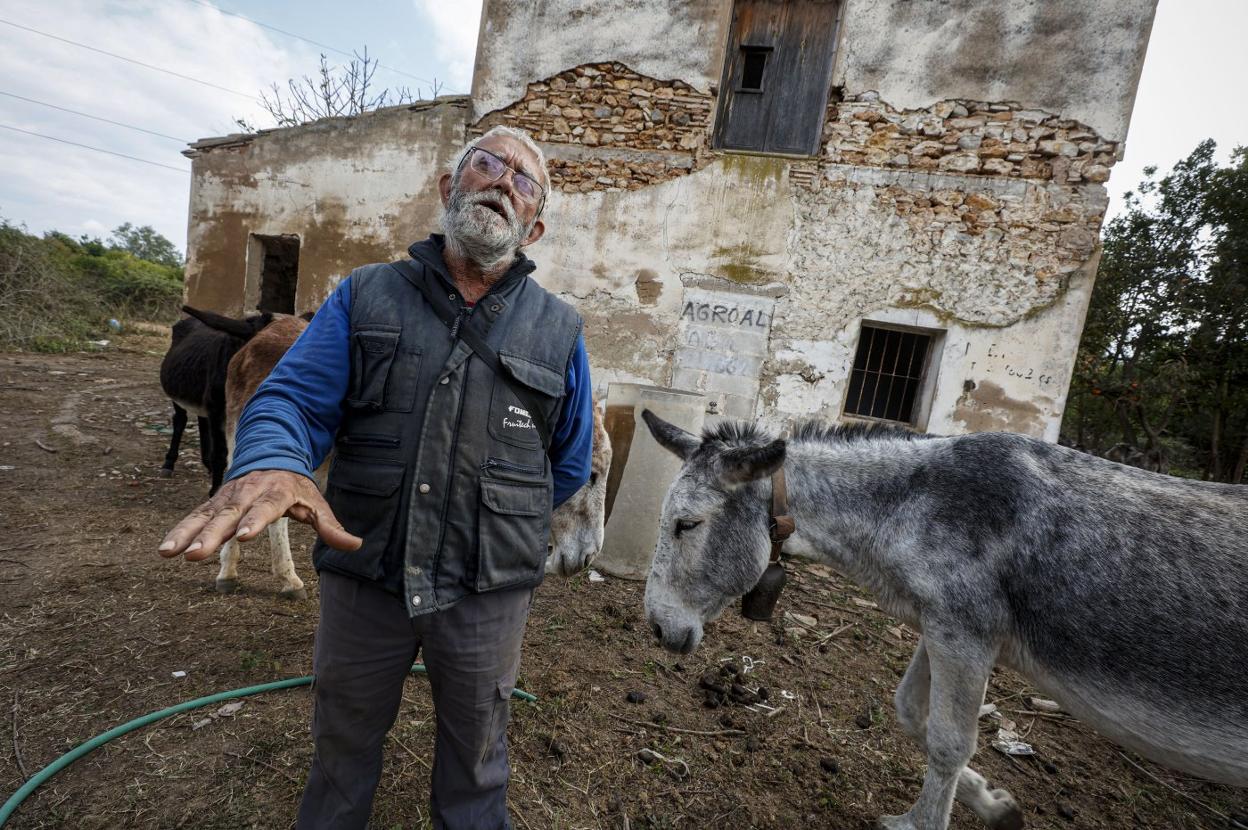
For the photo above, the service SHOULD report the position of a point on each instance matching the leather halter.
(781, 526)
(759, 603)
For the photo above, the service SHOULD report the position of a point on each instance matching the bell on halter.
(760, 603)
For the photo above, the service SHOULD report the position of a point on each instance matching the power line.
(94, 117)
(129, 60)
(307, 40)
(96, 149)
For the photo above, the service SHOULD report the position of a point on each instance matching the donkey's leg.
(282, 562)
(996, 808)
(959, 672)
(179, 426)
(910, 701)
(219, 452)
(227, 577)
(205, 442)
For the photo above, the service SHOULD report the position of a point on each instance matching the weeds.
(57, 292)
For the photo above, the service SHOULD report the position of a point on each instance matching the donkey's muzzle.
(760, 603)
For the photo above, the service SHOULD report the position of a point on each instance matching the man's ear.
(444, 188)
(535, 233)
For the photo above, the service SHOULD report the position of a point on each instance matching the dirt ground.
(93, 626)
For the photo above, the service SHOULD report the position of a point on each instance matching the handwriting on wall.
(996, 358)
(732, 315)
(723, 343)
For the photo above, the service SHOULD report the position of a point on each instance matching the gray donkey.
(1121, 593)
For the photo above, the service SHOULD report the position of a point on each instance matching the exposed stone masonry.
(666, 126)
(985, 252)
(608, 105)
(997, 139)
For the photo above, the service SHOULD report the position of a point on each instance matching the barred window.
(887, 374)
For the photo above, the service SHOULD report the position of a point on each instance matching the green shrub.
(57, 292)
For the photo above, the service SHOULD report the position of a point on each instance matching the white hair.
(513, 132)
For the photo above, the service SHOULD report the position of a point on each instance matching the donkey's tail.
(245, 329)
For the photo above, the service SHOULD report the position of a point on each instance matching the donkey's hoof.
(1005, 814)
(1013, 820)
(165, 472)
(895, 823)
(227, 586)
(293, 593)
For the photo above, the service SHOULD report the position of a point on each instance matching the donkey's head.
(576, 528)
(713, 535)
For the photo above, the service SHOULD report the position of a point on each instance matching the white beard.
(480, 234)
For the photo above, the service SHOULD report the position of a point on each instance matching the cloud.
(455, 29)
(48, 185)
(1193, 53)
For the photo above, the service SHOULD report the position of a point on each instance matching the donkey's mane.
(825, 433)
(736, 433)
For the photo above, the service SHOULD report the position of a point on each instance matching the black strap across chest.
(467, 328)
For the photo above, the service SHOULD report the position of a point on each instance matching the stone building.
(847, 208)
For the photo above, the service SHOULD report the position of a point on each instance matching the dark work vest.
(438, 465)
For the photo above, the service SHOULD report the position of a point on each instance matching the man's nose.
(506, 183)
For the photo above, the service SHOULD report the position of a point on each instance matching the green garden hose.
(77, 752)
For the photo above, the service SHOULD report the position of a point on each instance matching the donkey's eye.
(685, 524)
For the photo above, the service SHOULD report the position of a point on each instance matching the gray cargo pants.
(365, 644)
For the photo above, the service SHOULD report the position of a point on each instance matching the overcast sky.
(1189, 90)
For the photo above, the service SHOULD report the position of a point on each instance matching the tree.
(144, 243)
(1163, 363)
(334, 92)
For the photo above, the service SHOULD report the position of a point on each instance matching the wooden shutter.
(781, 108)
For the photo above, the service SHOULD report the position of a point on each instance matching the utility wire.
(129, 60)
(94, 117)
(307, 40)
(96, 149)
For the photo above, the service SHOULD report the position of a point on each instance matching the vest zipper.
(459, 319)
(368, 440)
(510, 467)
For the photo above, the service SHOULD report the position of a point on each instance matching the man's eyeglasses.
(491, 168)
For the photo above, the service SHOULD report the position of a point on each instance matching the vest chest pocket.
(510, 419)
(383, 374)
(512, 533)
(364, 496)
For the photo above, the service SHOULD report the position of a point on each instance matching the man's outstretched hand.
(244, 507)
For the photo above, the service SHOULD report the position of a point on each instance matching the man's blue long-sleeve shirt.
(290, 422)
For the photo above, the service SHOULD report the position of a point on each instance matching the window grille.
(887, 374)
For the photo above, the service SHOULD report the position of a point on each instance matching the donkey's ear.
(741, 464)
(670, 436)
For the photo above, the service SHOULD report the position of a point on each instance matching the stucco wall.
(353, 190)
(1081, 59)
(524, 40)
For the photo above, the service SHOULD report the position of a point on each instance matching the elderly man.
(457, 392)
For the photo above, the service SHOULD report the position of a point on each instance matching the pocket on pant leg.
(499, 716)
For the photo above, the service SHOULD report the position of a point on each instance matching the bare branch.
(334, 92)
